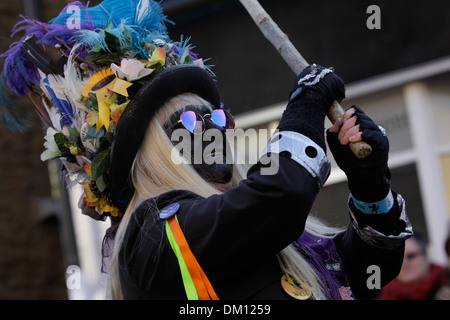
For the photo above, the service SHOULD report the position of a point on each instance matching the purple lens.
(222, 118)
(192, 121)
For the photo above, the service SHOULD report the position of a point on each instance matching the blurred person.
(419, 278)
(444, 291)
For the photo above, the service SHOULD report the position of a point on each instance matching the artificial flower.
(103, 114)
(99, 203)
(92, 118)
(87, 168)
(74, 150)
(98, 81)
(103, 81)
(52, 151)
(199, 63)
(91, 199)
(158, 56)
(117, 110)
(119, 86)
(131, 69)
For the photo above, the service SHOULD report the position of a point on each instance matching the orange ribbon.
(204, 288)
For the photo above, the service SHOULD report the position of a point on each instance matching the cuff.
(377, 239)
(304, 151)
(379, 207)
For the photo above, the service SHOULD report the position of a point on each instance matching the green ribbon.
(189, 286)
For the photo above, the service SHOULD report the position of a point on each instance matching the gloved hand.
(314, 91)
(320, 80)
(368, 179)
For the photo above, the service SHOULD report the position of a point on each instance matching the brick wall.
(31, 261)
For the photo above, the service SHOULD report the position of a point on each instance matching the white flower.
(199, 63)
(159, 42)
(52, 151)
(131, 69)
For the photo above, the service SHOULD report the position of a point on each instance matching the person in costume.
(114, 93)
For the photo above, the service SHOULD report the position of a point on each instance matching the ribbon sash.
(196, 283)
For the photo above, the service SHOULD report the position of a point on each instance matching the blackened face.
(212, 163)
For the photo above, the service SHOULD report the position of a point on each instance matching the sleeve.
(371, 258)
(264, 214)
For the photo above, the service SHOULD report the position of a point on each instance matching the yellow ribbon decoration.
(103, 109)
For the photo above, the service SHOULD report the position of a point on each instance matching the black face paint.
(217, 171)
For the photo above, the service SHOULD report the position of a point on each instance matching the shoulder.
(153, 206)
(146, 220)
(145, 230)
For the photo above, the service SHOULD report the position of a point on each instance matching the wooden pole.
(295, 61)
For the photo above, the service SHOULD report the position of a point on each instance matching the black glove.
(309, 103)
(329, 86)
(368, 179)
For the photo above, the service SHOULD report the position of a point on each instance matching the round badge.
(294, 289)
(169, 211)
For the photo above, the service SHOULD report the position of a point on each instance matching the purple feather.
(19, 71)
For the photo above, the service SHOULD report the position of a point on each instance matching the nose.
(209, 124)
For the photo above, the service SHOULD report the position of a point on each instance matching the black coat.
(235, 237)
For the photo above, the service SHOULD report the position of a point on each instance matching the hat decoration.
(81, 70)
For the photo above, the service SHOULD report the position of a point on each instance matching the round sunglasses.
(195, 123)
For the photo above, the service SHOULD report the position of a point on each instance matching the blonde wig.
(154, 173)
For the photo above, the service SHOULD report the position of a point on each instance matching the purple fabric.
(108, 243)
(323, 257)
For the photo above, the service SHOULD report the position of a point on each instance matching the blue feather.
(62, 106)
(90, 39)
(143, 19)
(14, 116)
(143, 14)
(124, 35)
(143, 9)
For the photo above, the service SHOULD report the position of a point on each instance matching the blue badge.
(169, 211)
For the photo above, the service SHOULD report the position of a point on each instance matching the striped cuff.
(304, 151)
(379, 207)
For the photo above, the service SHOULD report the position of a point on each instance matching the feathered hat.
(96, 77)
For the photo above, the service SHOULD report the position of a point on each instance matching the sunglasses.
(195, 123)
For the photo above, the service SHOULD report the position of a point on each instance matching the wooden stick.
(295, 61)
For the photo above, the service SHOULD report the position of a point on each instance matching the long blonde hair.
(154, 173)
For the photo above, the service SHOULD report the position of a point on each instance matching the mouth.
(214, 167)
(215, 153)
